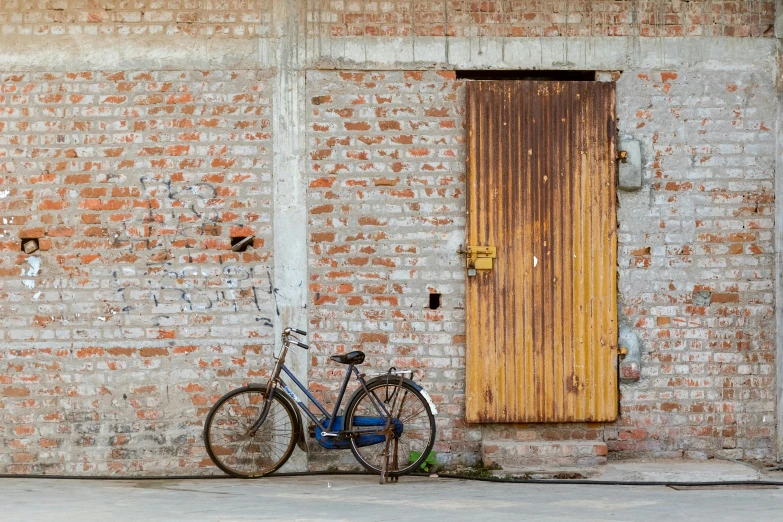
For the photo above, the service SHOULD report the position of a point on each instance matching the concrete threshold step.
(549, 473)
(543, 455)
(645, 470)
(678, 470)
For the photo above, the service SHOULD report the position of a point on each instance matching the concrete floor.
(362, 498)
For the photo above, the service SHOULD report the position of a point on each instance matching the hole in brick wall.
(29, 245)
(563, 76)
(435, 301)
(240, 244)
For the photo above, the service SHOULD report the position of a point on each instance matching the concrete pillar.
(289, 184)
(779, 228)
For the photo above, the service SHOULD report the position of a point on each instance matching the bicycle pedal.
(311, 431)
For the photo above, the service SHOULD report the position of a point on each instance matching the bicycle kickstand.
(385, 459)
(389, 435)
(385, 478)
(395, 462)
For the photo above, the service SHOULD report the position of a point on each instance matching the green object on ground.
(428, 463)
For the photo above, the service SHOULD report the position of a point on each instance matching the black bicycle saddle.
(355, 357)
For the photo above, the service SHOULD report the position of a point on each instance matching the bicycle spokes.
(240, 450)
(252, 431)
(415, 433)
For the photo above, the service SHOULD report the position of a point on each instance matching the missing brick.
(240, 244)
(435, 301)
(702, 298)
(29, 245)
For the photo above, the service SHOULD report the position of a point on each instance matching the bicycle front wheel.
(414, 426)
(234, 449)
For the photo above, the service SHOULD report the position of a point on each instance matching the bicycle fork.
(270, 393)
(252, 430)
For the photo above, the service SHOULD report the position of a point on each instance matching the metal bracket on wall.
(630, 165)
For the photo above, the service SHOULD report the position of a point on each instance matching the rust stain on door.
(542, 323)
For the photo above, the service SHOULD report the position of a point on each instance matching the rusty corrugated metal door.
(542, 323)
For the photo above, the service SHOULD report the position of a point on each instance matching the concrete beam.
(176, 52)
(97, 53)
(592, 53)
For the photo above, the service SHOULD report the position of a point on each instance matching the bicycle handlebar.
(299, 344)
(288, 331)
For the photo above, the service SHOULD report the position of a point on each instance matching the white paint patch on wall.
(35, 266)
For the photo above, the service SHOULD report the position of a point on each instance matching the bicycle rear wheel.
(414, 426)
(229, 442)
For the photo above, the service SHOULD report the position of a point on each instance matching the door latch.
(479, 257)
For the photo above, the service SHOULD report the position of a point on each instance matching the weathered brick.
(139, 315)
(133, 256)
(43, 17)
(397, 18)
(715, 356)
(649, 252)
(385, 319)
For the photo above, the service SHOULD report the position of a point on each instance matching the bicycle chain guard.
(362, 440)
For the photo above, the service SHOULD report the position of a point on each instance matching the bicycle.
(251, 431)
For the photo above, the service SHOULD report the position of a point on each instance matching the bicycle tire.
(279, 410)
(357, 450)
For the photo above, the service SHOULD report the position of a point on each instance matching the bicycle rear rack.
(404, 373)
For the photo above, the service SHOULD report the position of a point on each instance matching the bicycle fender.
(426, 396)
(412, 383)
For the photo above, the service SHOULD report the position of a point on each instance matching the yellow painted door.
(542, 322)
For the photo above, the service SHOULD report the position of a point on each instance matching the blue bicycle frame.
(275, 382)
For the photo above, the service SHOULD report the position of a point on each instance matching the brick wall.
(386, 207)
(696, 261)
(507, 18)
(518, 18)
(230, 18)
(386, 216)
(134, 315)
